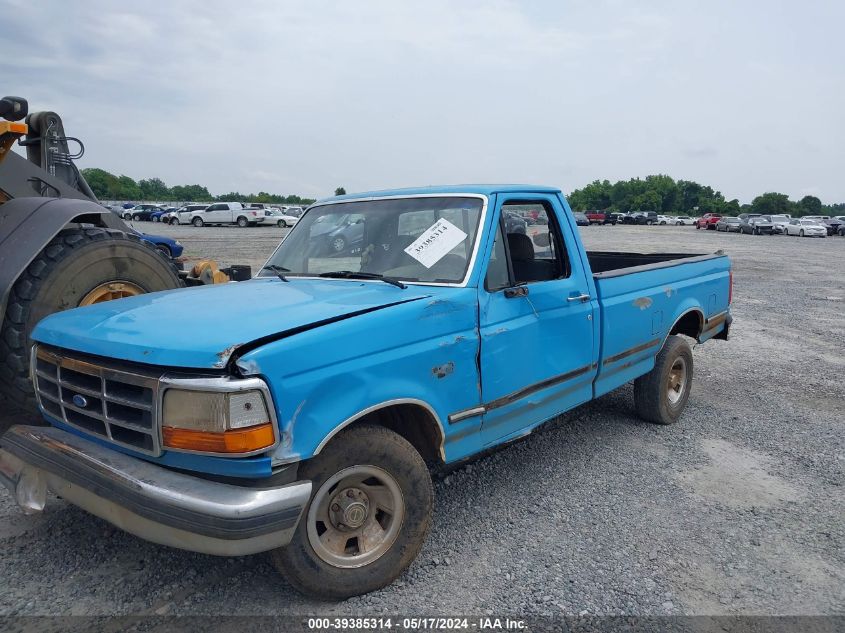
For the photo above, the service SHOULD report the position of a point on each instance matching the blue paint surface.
(332, 349)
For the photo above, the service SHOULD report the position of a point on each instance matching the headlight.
(216, 422)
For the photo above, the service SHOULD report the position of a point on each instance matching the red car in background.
(708, 221)
(598, 217)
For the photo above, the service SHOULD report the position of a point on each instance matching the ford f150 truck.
(226, 213)
(302, 413)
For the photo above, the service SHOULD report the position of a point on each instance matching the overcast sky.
(302, 97)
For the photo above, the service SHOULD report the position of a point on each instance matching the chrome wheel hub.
(355, 516)
(677, 382)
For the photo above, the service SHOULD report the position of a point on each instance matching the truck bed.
(602, 263)
(643, 296)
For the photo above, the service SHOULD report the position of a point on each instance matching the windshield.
(780, 218)
(411, 239)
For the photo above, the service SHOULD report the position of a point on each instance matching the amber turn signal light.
(246, 440)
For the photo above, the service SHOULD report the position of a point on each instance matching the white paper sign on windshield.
(435, 242)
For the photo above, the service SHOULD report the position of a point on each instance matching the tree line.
(658, 193)
(107, 186)
(667, 196)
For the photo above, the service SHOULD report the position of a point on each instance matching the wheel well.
(690, 324)
(412, 421)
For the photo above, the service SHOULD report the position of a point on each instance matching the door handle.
(582, 298)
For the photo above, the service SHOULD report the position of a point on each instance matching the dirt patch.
(738, 478)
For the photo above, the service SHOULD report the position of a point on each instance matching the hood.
(202, 327)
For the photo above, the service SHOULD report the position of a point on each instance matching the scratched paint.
(643, 303)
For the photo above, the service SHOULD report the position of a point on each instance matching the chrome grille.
(116, 404)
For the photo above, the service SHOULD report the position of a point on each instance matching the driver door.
(536, 321)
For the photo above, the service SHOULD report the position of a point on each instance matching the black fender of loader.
(28, 224)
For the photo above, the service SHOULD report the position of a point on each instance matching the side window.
(534, 242)
(497, 270)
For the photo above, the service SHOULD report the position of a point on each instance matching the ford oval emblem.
(80, 401)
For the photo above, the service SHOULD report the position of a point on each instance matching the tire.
(174, 221)
(127, 216)
(337, 244)
(388, 455)
(197, 221)
(697, 227)
(801, 233)
(164, 249)
(282, 224)
(136, 217)
(74, 263)
(242, 222)
(156, 219)
(652, 391)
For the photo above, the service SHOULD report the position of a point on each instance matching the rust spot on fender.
(441, 371)
(643, 303)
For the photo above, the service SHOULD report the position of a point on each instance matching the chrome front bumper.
(149, 501)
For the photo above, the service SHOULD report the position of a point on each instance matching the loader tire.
(73, 265)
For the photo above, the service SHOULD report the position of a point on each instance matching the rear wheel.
(78, 267)
(197, 222)
(282, 224)
(243, 222)
(136, 217)
(661, 395)
(368, 517)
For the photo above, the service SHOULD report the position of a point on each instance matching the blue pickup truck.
(304, 410)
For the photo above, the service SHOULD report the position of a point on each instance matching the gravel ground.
(738, 509)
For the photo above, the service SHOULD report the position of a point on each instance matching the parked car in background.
(227, 213)
(182, 215)
(294, 211)
(802, 227)
(684, 220)
(708, 221)
(663, 220)
(756, 225)
(641, 217)
(600, 217)
(779, 222)
(156, 216)
(581, 219)
(140, 212)
(832, 225)
(169, 247)
(515, 223)
(728, 224)
(337, 233)
(279, 217)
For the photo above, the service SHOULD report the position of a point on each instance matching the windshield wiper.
(351, 274)
(278, 270)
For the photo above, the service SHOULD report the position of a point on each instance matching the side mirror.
(13, 108)
(541, 239)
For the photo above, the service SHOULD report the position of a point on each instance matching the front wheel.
(282, 224)
(661, 395)
(136, 217)
(174, 221)
(368, 517)
(801, 233)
